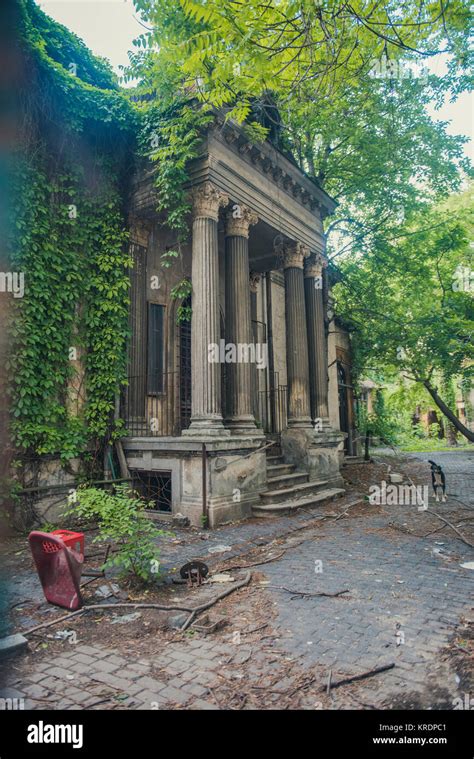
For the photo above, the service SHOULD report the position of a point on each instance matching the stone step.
(286, 481)
(274, 449)
(275, 460)
(285, 508)
(275, 470)
(295, 491)
(354, 460)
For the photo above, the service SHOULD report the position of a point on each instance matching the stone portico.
(236, 437)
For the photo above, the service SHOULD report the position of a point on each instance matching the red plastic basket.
(59, 569)
(71, 539)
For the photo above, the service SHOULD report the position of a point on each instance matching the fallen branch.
(256, 563)
(344, 681)
(204, 607)
(301, 593)
(130, 605)
(461, 536)
(363, 676)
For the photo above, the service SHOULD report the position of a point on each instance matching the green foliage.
(402, 296)
(122, 521)
(181, 291)
(76, 295)
(308, 68)
(380, 424)
(170, 137)
(67, 235)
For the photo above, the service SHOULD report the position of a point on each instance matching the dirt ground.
(254, 668)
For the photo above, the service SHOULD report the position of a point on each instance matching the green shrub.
(122, 520)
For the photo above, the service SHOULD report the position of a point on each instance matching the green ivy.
(68, 236)
(76, 296)
(170, 137)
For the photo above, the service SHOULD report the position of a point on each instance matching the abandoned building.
(246, 408)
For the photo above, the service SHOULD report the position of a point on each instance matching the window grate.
(154, 487)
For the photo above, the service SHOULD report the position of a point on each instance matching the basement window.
(154, 487)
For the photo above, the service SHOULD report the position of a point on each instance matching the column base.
(300, 423)
(243, 425)
(322, 424)
(206, 427)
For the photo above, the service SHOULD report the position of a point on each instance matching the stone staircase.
(289, 489)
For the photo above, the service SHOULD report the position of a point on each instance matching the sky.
(108, 28)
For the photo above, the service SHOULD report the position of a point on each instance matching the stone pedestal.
(233, 481)
(206, 417)
(315, 452)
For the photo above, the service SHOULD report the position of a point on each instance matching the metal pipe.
(68, 486)
(204, 487)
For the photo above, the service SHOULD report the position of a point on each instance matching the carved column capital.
(238, 220)
(294, 255)
(254, 279)
(207, 199)
(314, 265)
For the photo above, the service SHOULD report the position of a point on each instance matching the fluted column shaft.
(239, 416)
(206, 416)
(317, 340)
(296, 338)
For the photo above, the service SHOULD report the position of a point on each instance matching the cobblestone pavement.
(406, 595)
(459, 469)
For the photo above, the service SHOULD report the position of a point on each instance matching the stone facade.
(257, 344)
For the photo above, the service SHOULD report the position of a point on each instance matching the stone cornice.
(271, 162)
(207, 199)
(238, 220)
(294, 255)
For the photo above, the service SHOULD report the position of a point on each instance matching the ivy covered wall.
(67, 235)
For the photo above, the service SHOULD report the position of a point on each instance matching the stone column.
(296, 337)
(206, 416)
(238, 332)
(317, 340)
(255, 278)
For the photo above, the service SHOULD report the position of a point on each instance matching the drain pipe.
(205, 514)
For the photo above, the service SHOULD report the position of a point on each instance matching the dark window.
(155, 348)
(154, 488)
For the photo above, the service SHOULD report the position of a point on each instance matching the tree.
(411, 302)
(343, 88)
(340, 86)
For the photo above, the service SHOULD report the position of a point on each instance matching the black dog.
(438, 479)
